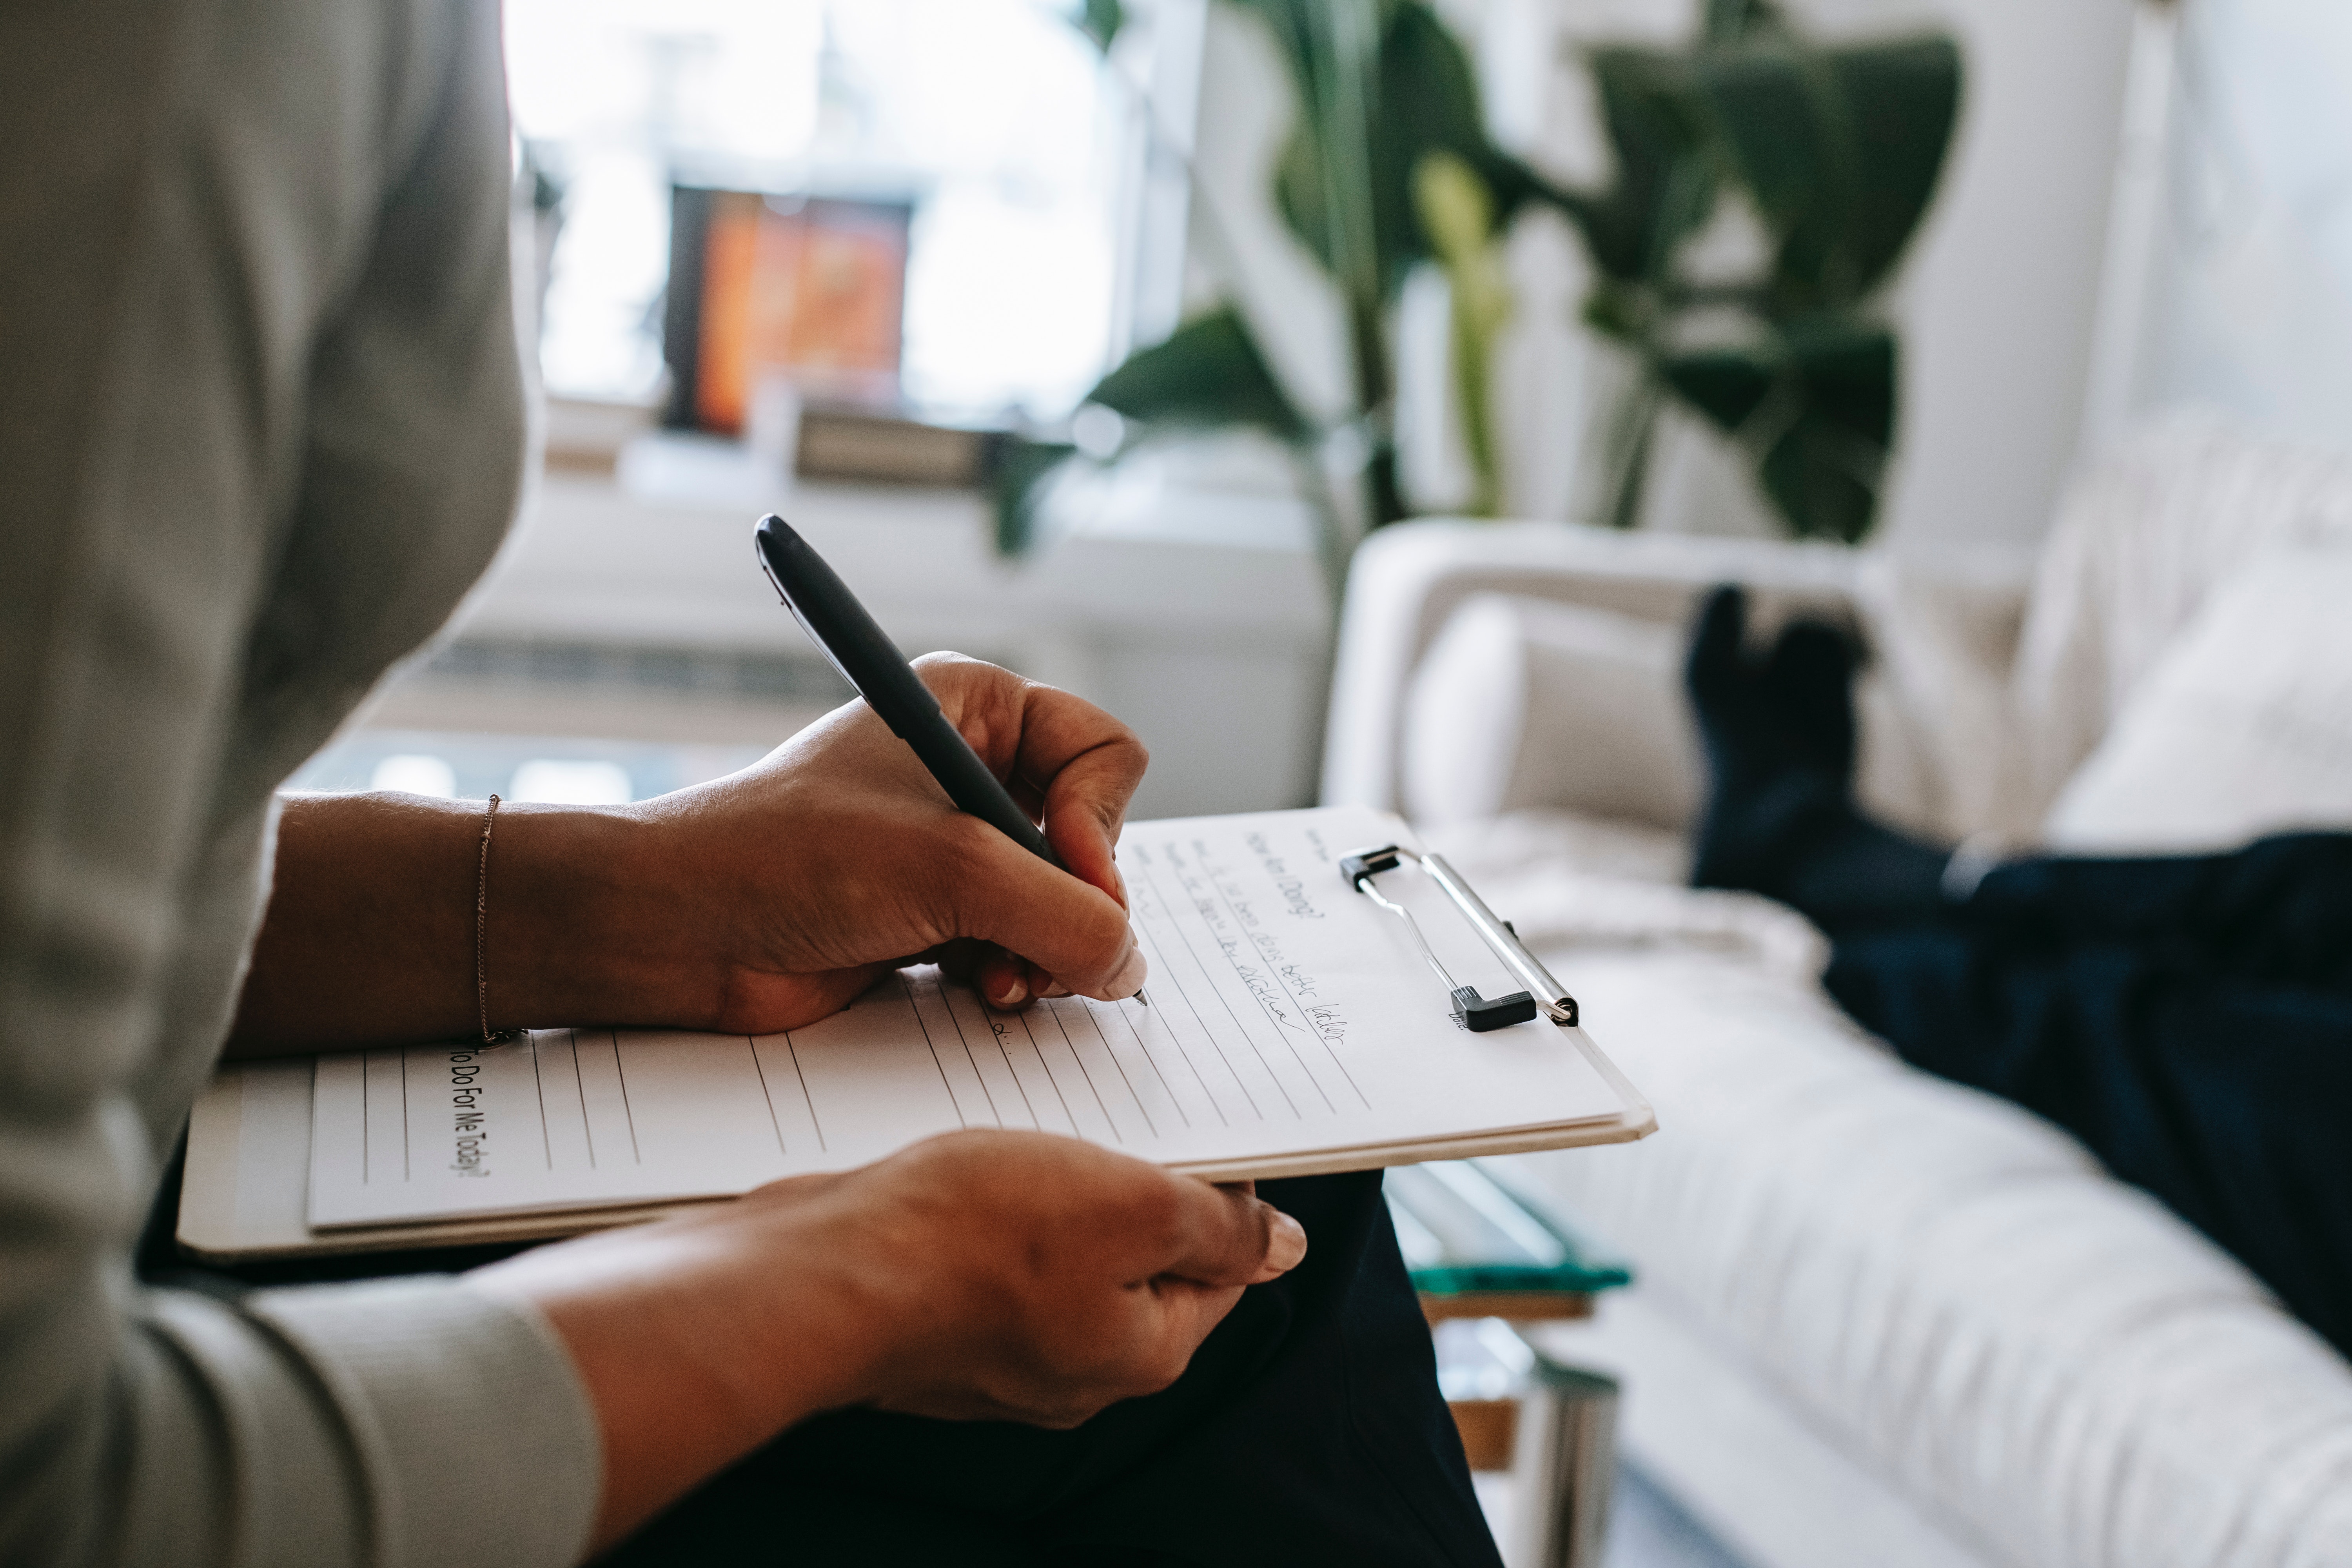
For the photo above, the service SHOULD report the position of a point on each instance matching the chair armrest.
(1408, 579)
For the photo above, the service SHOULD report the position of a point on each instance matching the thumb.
(1227, 1238)
(1073, 931)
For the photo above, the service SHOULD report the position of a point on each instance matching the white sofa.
(1880, 1318)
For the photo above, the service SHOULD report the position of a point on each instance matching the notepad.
(1292, 1029)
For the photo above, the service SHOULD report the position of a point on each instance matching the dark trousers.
(1308, 1429)
(2188, 1018)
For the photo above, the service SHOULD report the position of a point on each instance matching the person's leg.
(1339, 1448)
(1307, 1429)
(2226, 1098)
(2279, 911)
(2188, 1018)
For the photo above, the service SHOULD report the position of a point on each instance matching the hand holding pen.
(866, 657)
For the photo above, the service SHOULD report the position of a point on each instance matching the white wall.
(1998, 308)
(1206, 633)
(2248, 303)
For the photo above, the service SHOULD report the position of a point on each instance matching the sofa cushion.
(2242, 728)
(1521, 702)
(2141, 542)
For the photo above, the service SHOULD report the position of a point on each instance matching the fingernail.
(1012, 995)
(1286, 1242)
(1132, 973)
(1053, 990)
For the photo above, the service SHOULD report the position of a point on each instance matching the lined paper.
(1289, 1016)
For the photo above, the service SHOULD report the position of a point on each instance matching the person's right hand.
(1006, 1276)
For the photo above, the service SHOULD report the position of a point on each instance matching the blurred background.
(2140, 206)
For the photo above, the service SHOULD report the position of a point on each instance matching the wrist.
(695, 1341)
(585, 923)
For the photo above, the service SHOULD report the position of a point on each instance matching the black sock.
(1780, 736)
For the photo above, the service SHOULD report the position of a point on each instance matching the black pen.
(866, 658)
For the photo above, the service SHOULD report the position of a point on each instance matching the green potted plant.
(1835, 148)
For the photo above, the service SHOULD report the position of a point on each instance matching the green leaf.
(1666, 183)
(1840, 148)
(1619, 310)
(1727, 20)
(1847, 369)
(1455, 208)
(1323, 181)
(1821, 481)
(1771, 106)
(1824, 470)
(1727, 385)
(1022, 472)
(1902, 99)
(1100, 21)
(1457, 212)
(1363, 140)
(1208, 373)
(1815, 404)
(1295, 24)
(1428, 105)
(1302, 193)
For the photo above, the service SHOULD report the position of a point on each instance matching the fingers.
(1225, 1238)
(1081, 767)
(1010, 981)
(1085, 808)
(1074, 934)
(1026, 1276)
(1005, 981)
(1060, 752)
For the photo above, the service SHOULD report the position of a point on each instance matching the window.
(1035, 239)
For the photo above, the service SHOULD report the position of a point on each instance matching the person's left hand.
(771, 898)
(978, 1276)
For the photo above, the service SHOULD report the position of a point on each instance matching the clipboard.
(1294, 1030)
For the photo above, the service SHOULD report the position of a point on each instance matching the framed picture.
(811, 287)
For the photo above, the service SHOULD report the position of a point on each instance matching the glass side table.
(1485, 1257)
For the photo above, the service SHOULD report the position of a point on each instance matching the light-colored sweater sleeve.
(260, 424)
(405, 1420)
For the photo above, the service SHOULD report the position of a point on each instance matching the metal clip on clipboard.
(1471, 1011)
